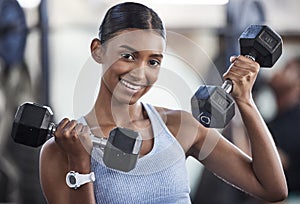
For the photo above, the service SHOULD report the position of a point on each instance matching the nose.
(138, 73)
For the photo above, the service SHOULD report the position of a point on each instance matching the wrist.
(247, 108)
(80, 165)
(245, 101)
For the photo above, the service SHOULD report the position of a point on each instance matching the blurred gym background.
(45, 44)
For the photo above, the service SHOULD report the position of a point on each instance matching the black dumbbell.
(213, 106)
(33, 125)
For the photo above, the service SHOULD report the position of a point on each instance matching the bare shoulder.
(185, 128)
(176, 117)
(171, 115)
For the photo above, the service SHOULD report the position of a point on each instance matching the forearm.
(266, 163)
(84, 194)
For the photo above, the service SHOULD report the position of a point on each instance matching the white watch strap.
(85, 178)
(75, 180)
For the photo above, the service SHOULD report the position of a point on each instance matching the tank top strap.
(158, 125)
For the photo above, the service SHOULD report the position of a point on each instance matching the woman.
(130, 48)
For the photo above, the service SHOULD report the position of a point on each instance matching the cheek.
(120, 68)
(152, 75)
(111, 75)
(113, 71)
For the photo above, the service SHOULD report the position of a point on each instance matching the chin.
(130, 100)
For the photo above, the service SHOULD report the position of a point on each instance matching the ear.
(96, 50)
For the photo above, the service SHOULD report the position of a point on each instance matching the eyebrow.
(134, 50)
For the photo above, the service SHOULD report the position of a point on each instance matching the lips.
(131, 86)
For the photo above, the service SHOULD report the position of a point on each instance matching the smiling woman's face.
(131, 62)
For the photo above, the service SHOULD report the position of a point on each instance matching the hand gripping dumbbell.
(213, 106)
(33, 125)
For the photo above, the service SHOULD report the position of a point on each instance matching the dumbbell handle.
(228, 85)
(99, 142)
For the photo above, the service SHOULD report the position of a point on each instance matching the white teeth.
(131, 86)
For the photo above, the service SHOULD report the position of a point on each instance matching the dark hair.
(129, 15)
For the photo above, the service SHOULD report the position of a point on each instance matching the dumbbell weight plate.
(31, 124)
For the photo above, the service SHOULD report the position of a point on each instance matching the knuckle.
(62, 123)
(78, 127)
(73, 133)
(65, 132)
(66, 119)
(73, 122)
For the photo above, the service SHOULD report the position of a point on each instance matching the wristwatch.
(74, 179)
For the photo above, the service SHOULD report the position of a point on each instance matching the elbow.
(282, 195)
(279, 195)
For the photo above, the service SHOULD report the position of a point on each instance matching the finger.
(242, 69)
(60, 127)
(233, 76)
(78, 128)
(62, 124)
(69, 129)
(232, 59)
(239, 75)
(85, 138)
(236, 62)
(71, 125)
(246, 63)
(84, 131)
(240, 72)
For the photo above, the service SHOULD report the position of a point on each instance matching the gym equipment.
(213, 106)
(33, 125)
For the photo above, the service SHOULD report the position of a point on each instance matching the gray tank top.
(160, 177)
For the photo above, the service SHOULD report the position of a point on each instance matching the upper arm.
(53, 168)
(214, 151)
(227, 161)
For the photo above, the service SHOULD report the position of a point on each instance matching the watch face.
(72, 179)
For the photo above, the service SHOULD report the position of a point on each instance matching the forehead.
(139, 40)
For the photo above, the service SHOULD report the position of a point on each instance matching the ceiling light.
(190, 2)
(194, 2)
(29, 3)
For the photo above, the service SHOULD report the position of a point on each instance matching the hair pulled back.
(129, 15)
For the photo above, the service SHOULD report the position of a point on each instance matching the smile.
(130, 85)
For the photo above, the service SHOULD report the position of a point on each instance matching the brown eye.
(154, 63)
(127, 56)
